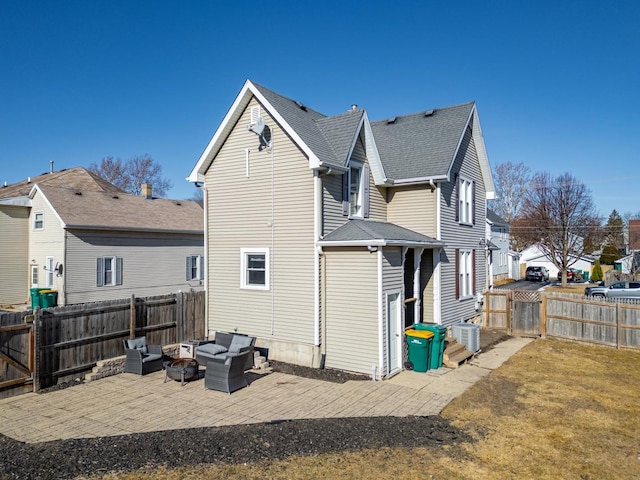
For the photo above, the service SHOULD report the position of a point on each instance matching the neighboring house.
(90, 241)
(634, 235)
(498, 241)
(535, 256)
(327, 236)
(629, 264)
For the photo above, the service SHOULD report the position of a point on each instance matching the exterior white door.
(394, 346)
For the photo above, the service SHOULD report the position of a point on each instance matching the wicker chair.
(227, 374)
(142, 358)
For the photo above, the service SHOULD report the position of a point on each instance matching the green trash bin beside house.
(418, 349)
(438, 342)
(48, 298)
(35, 297)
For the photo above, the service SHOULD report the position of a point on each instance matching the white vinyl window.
(465, 273)
(254, 268)
(195, 267)
(465, 201)
(50, 271)
(355, 189)
(34, 276)
(108, 271)
(38, 220)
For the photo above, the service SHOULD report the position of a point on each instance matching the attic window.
(428, 113)
(255, 114)
(392, 120)
(301, 106)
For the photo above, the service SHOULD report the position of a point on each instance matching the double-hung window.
(465, 273)
(195, 267)
(108, 271)
(254, 268)
(355, 197)
(38, 220)
(50, 271)
(466, 203)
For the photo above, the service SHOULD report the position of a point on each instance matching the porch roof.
(373, 233)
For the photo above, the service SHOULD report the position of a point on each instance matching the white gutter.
(420, 180)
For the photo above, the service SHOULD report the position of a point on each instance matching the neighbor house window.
(38, 221)
(356, 191)
(466, 202)
(50, 271)
(109, 271)
(195, 267)
(254, 268)
(465, 273)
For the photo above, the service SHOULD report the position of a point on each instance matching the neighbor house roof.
(80, 208)
(374, 233)
(74, 178)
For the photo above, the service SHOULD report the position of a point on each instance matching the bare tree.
(129, 175)
(559, 214)
(512, 181)
(198, 197)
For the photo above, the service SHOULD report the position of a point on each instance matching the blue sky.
(557, 83)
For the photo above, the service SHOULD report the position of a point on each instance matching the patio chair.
(227, 374)
(142, 358)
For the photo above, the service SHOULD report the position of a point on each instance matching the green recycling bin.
(437, 347)
(418, 347)
(48, 298)
(35, 297)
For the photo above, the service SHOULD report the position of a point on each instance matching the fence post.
(37, 341)
(180, 317)
(618, 329)
(132, 317)
(543, 315)
(508, 308)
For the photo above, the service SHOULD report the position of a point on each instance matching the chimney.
(50, 166)
(146, 191)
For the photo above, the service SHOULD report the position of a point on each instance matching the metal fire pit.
(182, 369)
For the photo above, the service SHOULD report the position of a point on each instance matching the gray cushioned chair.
(226, 345)
(142, 358)
(227, 374)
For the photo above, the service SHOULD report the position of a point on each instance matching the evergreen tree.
(596, 276)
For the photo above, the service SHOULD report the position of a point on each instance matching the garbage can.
(48, 298)
(418, 348)
(35, 297)
(437, 346)
(585, 275)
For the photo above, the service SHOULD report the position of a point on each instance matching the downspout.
(317, 225)
(381, 325)
(205, 199)
(437, 268)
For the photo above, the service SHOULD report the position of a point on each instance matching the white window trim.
(199, 275)
(465, 207)
(116, 273)
(465, 271)
(244, 253)
(49, 269)
(360, 196)
(35, 275)
(35, 216)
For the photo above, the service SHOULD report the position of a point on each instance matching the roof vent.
(178, 204)
(354, 107)
(78, 193)
(428, 113)
(5, 184)
(301, 106)
(392, 120)
(115, 196)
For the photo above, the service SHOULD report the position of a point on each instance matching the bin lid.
(418, 333)
(46, 291)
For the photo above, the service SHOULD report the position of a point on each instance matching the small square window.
(38, 221)
(254, 267)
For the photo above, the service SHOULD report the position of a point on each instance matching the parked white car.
(615, 290)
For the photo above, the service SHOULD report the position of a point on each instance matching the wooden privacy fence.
(564, 316)
(57, 344)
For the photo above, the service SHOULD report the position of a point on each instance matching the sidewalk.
(127, 403)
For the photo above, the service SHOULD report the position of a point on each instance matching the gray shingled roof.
(87, 208)
(330, 138)
(419, 145)
(74, 178)
(496, 219)
(369, 232)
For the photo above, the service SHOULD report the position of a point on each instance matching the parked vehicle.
(573, 274)
(537, 274)
(615, 290)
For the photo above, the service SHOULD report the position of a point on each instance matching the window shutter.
(345, 194)
(201, 267)
(473, 271)
(456, 189)
(457, 273)
(365, 190)
(118, 270)
(188, 276)
(473, 203)
(100, 272)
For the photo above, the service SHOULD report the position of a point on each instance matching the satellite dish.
(263, 132)
(259, 126)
